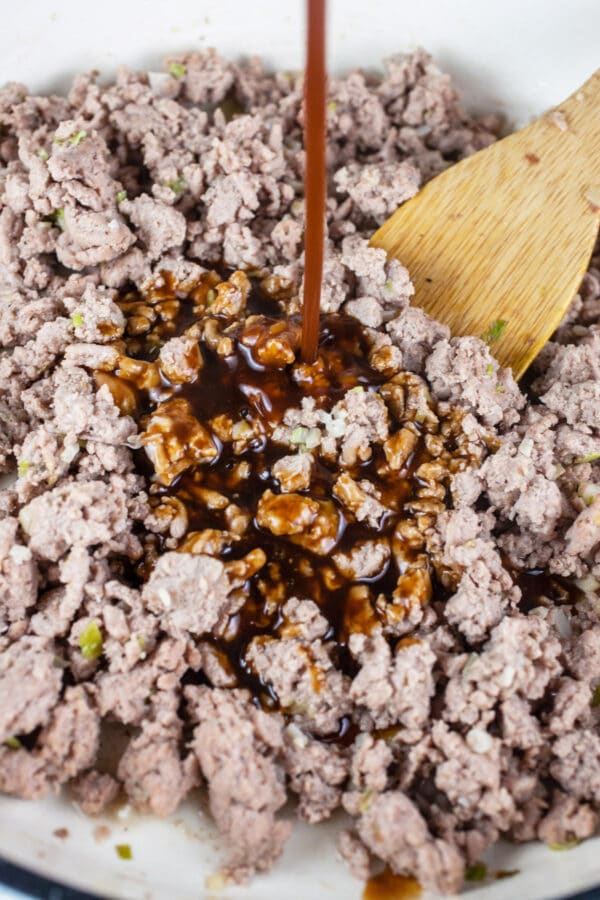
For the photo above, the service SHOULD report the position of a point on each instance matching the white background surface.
(519, 56)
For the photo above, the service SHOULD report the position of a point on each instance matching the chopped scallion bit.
(365, 800)
(298, 435)
(568, 845)
(332, 105)
(13, 743)
(389, 285)
(588, 491)
(495, 331)
(77, 138)
(305, 438)
(122, 195)
(23, 467)
(177, 185)
(58, 217)
(177, 70)
(43, 154)
(591, 457)
(489, 369)
(77, 320)
(211, 296)
(500, 389)
(124, 851)
(90, 641)
(476, 872)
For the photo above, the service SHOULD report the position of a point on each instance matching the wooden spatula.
(498, 244)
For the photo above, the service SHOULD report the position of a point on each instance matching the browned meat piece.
(236, 745)
(30, 683)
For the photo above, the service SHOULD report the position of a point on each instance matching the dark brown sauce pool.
(387, 886)
(238, 386)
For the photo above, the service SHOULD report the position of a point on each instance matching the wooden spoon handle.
(506, 234)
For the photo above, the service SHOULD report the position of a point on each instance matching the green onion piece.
(588, 491)
(211, 296)
(58, 218)
(177, 70)
(124, 851)
(500, 389)
(43, 154)
(365, 800)
(591, 457)
(122, 195)
(332, 105)
(77, 138)
(596, 696)
(495, 331)
(177, 185)
(477, 872)
(389, 285)
(23, 467)
(77, 320)
(298, 435)
(90, 641)
(489, 369)
(568, 845)
(13, 742)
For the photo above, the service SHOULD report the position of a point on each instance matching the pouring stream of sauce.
(315, 95)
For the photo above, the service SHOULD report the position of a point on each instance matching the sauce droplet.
(387, 886)
(315, 95)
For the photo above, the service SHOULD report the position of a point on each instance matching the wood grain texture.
(508, 233)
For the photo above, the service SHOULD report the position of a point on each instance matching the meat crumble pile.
(371, 583)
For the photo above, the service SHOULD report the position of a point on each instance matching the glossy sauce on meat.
(253, 379)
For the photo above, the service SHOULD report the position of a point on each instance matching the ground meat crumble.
(371, 584)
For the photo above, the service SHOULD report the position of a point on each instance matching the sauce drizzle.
(208, 450)
(315, 95)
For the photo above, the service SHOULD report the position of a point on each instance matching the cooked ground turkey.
(463, 711)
